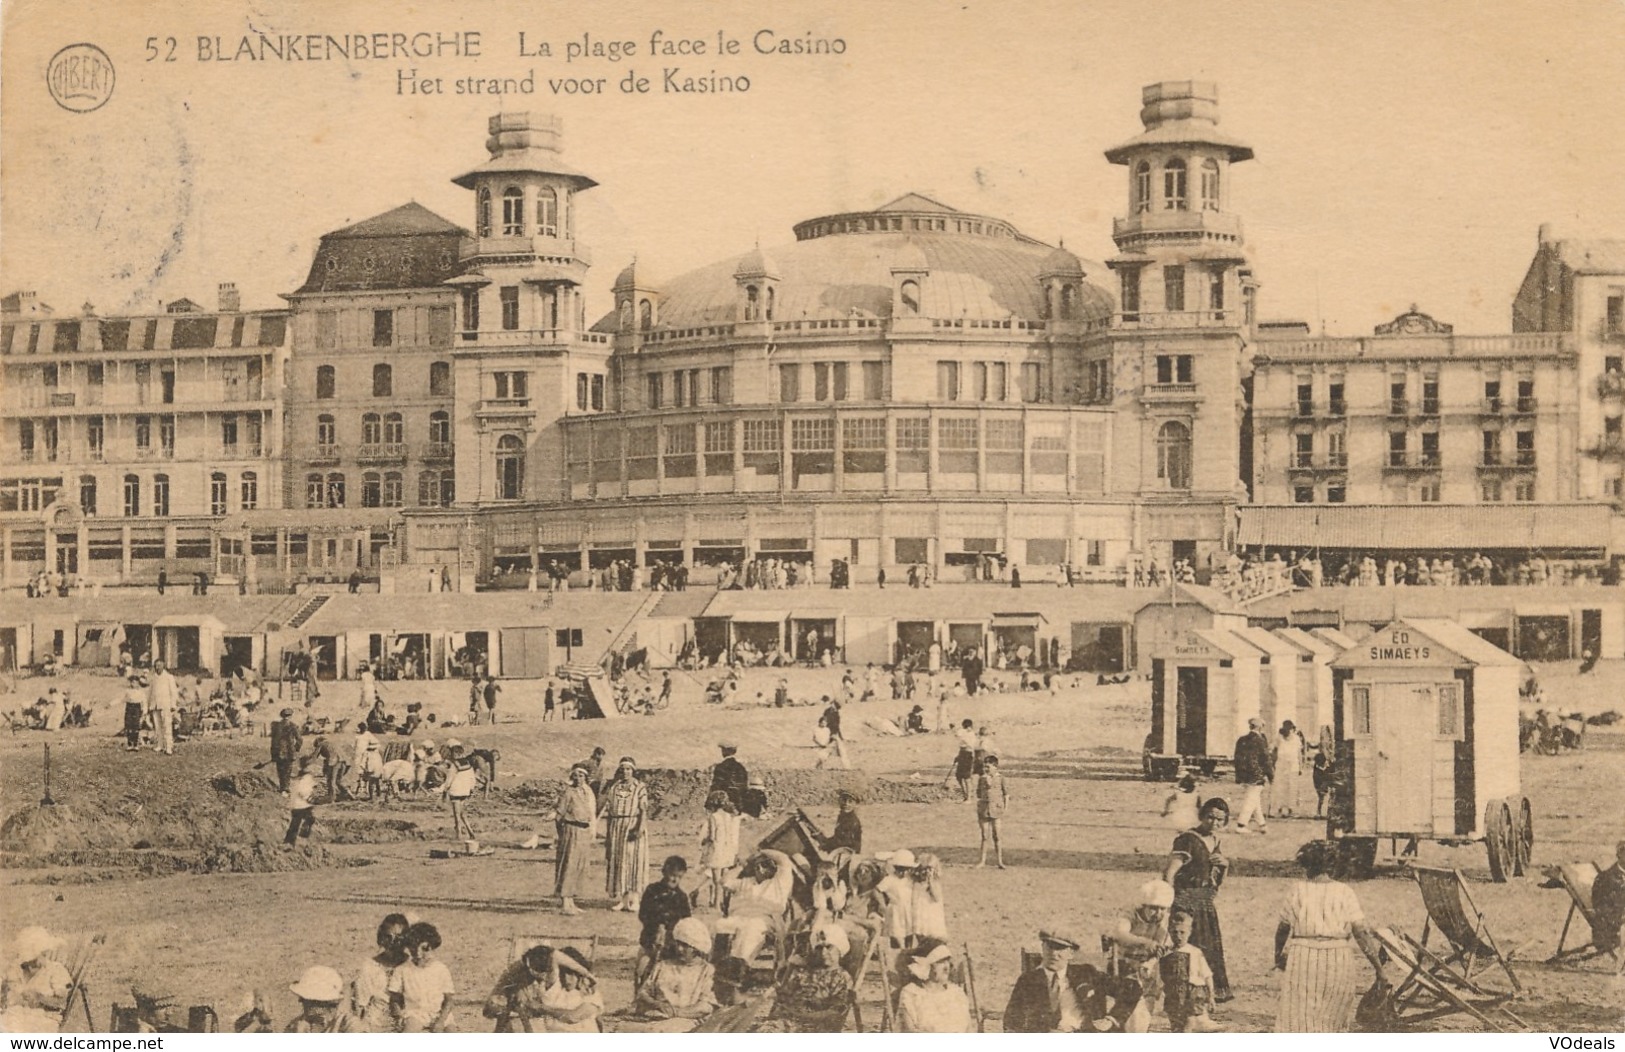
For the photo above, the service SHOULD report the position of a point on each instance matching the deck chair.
(1576, 878)
(1429, 989)
(1452, 913)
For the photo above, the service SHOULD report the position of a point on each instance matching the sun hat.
(691, 931)
(319, 983)
(34, 942)
(287, 713)
(903, 859)
(1157, 893)
(920, 964)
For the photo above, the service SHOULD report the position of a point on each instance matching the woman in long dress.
(1289, 764)
(626, 851)
(577, 809)
(1321, 915)
(1196, 868)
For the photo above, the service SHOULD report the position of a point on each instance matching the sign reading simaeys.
(1398, 647)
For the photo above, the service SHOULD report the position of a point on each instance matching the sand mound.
(680, 794)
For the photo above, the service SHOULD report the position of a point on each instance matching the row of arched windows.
(759, 303)
(513, 212)
(383, 380)
(1176, 186)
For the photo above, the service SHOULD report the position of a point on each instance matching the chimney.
(230, 300)
(1545, 235)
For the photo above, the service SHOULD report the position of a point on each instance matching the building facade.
(126, 439)
(909, 386)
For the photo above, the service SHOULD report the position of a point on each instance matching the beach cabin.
(1204, 689)
(1314, 680)
(1426, 722)
(1277, 678)
(1176, 610)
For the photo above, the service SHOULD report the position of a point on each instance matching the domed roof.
(755, 264)
(635, 275)
(978, 268)
(1063, 263)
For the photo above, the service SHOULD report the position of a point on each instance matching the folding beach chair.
(1452, 913)
(1576, 878)
(1427, 991)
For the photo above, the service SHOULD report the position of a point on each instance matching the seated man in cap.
(679, 986)
(760, 894)
(1062, 996)
(320, 991)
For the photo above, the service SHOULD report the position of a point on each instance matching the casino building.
(912, 385)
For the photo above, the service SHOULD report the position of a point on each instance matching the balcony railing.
(438, 451)
(97, 453)
(1304, 411)
(1495, 459)
(503, 405)
(379, 451)
(1398, 407)
(1406, 460)
(1339, 407)
(239, 450)
(1175, 319)
(62, 399)
(323, 454)
(1525, 405)
(1167, 391)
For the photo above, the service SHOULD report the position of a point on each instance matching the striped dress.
(626, 807)
(1320, 989)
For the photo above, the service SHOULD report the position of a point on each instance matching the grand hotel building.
(914, 384)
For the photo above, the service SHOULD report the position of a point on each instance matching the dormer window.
(482, 215)
(1210, 185)
(1142, 187)
(547, 212)
(1175, 186)
(513, 212)
(910, 296)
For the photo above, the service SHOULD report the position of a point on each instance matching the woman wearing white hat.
(932, 1003)
(1136, 942)
(36, 984)
(320, 991)
(897, 890)
(679, 987)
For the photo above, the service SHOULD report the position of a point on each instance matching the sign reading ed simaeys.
(1398, 647)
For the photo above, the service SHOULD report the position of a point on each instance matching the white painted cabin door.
(1403, 717)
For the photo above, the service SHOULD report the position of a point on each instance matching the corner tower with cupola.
(1179, 341)
(524, 357)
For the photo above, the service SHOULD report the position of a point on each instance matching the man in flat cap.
(1043, 1001)
(729, 775)
(285, 746)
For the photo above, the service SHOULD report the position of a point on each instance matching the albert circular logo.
(80, 77)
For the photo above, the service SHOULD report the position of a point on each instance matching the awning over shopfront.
(760, 617)
(1017, 620)
(1410, 527)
